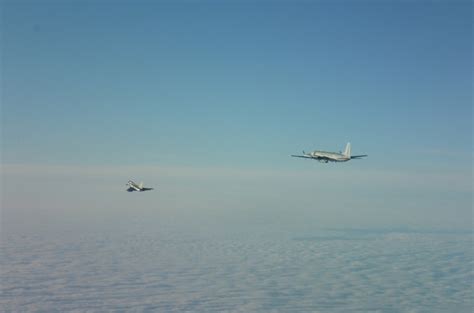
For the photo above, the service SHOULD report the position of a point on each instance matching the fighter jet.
(136, 187)
(325, 157)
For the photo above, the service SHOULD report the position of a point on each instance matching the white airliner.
(136, 187)
(325, 157)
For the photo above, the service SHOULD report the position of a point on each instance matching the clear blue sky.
(242, 85)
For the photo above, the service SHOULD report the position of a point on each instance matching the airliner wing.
(302, 156)
(358, 156)
(146, 189)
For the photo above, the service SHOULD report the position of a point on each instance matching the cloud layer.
(145, 269)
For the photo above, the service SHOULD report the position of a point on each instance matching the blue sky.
(227, 88)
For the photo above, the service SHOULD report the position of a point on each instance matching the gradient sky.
(208, 99)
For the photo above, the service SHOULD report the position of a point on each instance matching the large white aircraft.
(136, 187)
(325, 157)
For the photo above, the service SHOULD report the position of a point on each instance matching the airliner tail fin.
(347, 151)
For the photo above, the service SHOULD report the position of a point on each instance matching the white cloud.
(148, 267)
